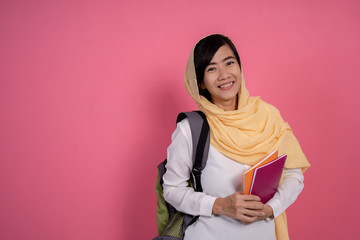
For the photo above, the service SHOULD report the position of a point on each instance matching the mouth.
(226, 85)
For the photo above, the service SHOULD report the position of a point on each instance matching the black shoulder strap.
(200, 133)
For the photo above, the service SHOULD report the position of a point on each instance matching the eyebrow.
(225, 59)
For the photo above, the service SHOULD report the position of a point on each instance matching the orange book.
(249, 174)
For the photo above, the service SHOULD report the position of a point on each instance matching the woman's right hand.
(245, 208)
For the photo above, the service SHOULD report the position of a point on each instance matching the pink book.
(266, 179)
(249, 174)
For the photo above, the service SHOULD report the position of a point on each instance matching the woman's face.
(222, 78)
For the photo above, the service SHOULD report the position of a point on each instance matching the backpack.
(171, 223)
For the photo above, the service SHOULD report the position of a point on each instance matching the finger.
(254, 198)
(247, 219)
(248, 197)
(253, 205)
(240, 202)
(252, 213)
(244, 197)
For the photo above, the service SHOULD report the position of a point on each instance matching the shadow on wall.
(162, 106)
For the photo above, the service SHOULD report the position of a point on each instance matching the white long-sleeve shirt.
(221, 177)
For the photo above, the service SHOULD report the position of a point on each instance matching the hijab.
(248, 133)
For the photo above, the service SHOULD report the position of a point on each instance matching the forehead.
(222, 53)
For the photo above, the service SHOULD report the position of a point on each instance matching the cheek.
(237, 72)
(209, 80)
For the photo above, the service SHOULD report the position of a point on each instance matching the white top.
(221, 177)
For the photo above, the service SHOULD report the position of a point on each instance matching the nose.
(223, 73)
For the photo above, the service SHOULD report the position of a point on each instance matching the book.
(266, 179)
(248, 175)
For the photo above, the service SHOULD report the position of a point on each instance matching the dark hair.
(204, 51)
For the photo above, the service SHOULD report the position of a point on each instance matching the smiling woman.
(243, 130)
(222, 79)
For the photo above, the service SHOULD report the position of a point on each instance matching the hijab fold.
(249, 133)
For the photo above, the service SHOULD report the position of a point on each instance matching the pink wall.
(89, 92)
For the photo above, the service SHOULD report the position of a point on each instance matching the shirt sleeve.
(288, 191)
(178, 169)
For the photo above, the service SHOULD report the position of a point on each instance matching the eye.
(211, 69)
(230, 63)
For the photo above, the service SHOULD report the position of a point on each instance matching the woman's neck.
(229, 105)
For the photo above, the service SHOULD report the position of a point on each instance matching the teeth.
(226, 85)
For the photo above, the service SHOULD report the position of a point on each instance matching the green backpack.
(172, 224)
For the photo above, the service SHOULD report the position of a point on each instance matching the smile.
(226, 85)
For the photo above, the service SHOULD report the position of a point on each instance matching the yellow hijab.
(249, 133)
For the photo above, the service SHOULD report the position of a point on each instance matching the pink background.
(89, 93)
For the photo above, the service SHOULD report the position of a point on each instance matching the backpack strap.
(201, 140)
(200, 133)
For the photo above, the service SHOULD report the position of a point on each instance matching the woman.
(243, 130)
